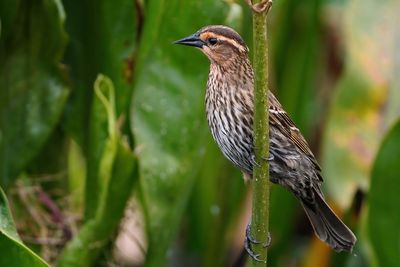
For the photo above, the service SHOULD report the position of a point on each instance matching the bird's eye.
(212, 41)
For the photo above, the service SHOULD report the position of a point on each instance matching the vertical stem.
(260, 183)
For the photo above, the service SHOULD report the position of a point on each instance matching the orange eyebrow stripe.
(206, 35)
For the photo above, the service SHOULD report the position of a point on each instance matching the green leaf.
(383, 215)
(169, 122)
(33, 90)
(116, 177)
(103, 42)
(14, 252)
(95, 234)
(6, 222)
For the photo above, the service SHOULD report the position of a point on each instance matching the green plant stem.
(260, 183)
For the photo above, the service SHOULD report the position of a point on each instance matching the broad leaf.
(33, 90)
(102, 40)
(383, 215)
(116, 175)
(14, 252)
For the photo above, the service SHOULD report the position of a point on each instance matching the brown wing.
(281, 120)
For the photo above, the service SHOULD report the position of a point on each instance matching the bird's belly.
(236, 146)
(288, 166)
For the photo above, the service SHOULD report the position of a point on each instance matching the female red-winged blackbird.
(229, 107)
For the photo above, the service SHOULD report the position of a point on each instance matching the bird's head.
(220, 44)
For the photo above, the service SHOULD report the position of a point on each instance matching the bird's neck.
(229, 87)
(238, 74)
(233, 66)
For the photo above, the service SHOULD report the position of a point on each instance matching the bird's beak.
(192, 40)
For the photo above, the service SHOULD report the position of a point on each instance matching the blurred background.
(106, 158)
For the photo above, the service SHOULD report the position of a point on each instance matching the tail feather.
(327, 226)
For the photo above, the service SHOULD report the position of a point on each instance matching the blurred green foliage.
(382, 223)
(366, 98)
(14, 252)
(94, 49)
(116, 174)
(144, 136)
(33, 87)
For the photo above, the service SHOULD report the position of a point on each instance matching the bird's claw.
(250, 240)
(253, 255)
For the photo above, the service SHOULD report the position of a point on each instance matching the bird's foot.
(250, 240)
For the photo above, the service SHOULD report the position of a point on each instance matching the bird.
(229, 104)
